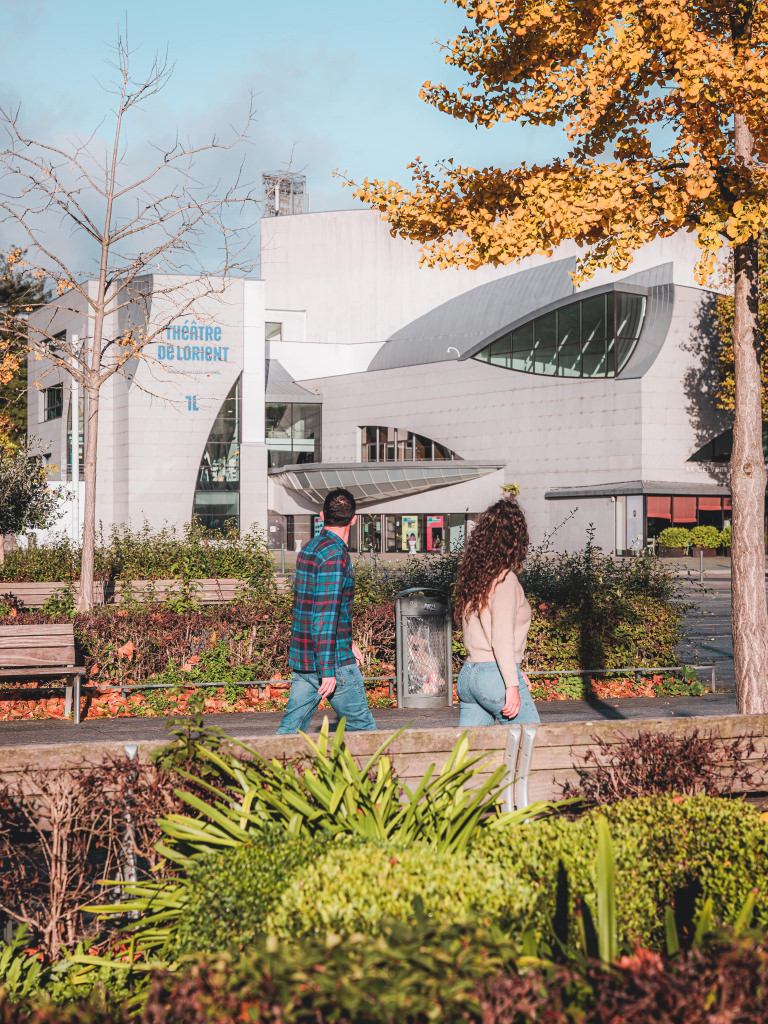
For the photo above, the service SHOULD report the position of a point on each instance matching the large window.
(294, 432)
(593, 337)
(687, 511)
(388, 444)
(217, 489)
(54, 402)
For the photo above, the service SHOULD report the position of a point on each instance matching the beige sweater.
(499, 632)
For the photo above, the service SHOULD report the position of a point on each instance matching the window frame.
(609, 354)
(49, 409)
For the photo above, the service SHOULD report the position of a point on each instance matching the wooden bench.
(42, 652)
(204, 591)
(34, 595)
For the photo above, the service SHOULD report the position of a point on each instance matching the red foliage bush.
(659, 763)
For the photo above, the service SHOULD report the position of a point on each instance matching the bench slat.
(41, 629)
(39, 645)
(44, 672)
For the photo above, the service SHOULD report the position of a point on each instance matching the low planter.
(707, 552)
(671, 552)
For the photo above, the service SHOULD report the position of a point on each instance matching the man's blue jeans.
(482, 695)
(347, 700)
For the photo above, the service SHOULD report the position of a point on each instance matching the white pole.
(75, 461)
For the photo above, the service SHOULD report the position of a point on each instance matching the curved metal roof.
(462, 323)
(372, 482)
(460, 327)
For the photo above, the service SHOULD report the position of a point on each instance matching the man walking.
(323, 656)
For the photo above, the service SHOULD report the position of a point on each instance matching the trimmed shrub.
(706, 537)
(348, 891)
(725, 537)
(669, 851)
(229, 894)
(674, 537)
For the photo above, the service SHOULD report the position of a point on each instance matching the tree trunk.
(749, 616)
(2, 549)
(88, 565)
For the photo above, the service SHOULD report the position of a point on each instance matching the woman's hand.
(512, 704)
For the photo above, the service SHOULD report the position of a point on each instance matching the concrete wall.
(155, 416)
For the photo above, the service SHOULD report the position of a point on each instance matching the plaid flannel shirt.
(321, 633)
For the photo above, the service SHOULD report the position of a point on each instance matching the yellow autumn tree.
(663, 103)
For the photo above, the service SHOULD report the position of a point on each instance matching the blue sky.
(336, 84)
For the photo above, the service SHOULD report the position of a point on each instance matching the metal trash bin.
(423, 649)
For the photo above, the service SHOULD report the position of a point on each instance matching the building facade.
(422, 391)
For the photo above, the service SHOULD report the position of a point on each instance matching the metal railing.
(262, 684)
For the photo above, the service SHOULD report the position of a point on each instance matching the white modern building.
(422, 391)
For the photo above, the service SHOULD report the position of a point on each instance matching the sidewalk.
(104, 735)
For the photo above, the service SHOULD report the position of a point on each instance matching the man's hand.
(327, 686)
(357, 653)
(512, 705)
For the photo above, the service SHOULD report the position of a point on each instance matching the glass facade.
(294, 433)
(390, 444)
(217, 488)
(415, 534)
(593, 337)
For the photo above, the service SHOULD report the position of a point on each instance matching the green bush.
(619, 633)
(725, 537)
(356, 890)
(669, 850)
(674, 537)
(667, 853)
(228, 894)
(403, 976)
(706, 537)
(146, 554)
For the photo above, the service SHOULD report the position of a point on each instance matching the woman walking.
(495, 618)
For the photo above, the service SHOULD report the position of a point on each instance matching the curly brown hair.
(496, 546)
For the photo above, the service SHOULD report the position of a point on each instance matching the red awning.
(659, 508)
(710, 504)
(684, 510)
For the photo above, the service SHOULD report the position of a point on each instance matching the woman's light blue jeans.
(348, 700)
(482, 695)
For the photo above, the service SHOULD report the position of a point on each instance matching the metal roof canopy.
(638, 487)
(372, 482)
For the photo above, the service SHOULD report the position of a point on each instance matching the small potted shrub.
(707, 539)
(725, 540)
(674, 541)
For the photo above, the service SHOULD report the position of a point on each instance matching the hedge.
(669, 850)
(348, 891)
(446, 976)
(665, 850)
(231, 893)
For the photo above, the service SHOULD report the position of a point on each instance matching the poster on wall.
(410, 534)
(317, 525)
(434, 533)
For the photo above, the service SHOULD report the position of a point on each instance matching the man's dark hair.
(338, 507)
